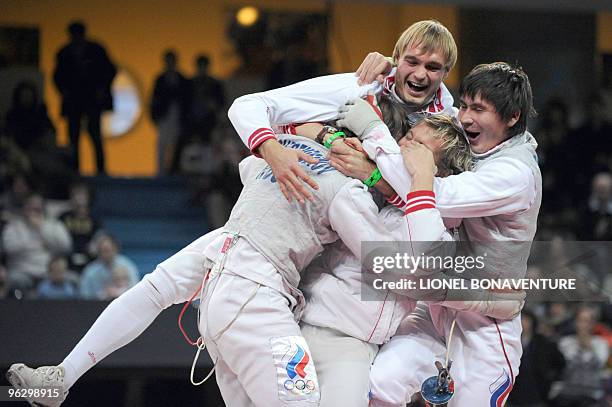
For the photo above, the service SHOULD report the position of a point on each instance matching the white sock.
(120, 323)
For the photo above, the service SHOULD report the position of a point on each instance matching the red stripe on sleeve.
(254, 137)
(416, 208)
(417, 194)
(258, 137)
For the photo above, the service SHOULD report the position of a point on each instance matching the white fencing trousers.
(262, 359)
(172, 282)
(486, 357)
(343, 366)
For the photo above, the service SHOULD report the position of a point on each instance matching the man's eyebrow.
(472, 105)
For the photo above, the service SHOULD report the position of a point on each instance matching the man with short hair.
(425, 53)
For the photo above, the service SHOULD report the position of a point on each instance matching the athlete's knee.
(160, 288)
(178, 277)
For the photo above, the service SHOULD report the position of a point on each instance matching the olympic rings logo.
(300, 385)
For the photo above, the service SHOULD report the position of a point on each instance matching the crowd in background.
(61, 250)
(67, 254)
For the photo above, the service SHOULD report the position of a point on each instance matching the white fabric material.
(244, 347)
(249, 351)
(485, 360)
(313, 100)
(500, 186)
(343, 366)
(174, 281)
(120, 323)
(335, 299)
(333, 283)
(352, 215)
(288, 234)
(498, 201)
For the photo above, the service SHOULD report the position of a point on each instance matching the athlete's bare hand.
(355, 144)
(418, 159)
(291, 177)
(350, 159)
(374, 67)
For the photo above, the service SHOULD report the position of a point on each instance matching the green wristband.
(334, 136)
(374, 178)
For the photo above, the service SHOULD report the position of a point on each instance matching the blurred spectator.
(215, 179)
(30, 128)
(586, 356)
(553, 139)
(206, 102)
(169, 110)
(98, 274)
(596, 217)
(226, 185)
(295, 41)
(27, 122)
(606, 307)
(30, 241)
(12, 160)
(199, 160)
(566, 259)
(81, 224)
(541, 364)
(560, 319)
(83, 75)
(12, 200)
(591, 151)
(119, 283)
(57, 285)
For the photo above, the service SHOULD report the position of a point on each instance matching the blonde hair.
(430, 36)
(456, 155)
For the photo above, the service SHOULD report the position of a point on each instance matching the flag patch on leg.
(295, 371)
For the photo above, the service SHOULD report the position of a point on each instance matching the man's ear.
(514, 119)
